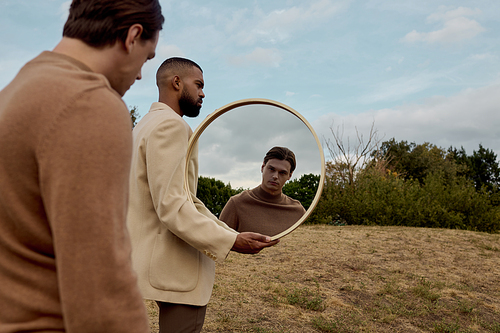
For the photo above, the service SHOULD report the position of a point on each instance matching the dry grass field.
(360, 279)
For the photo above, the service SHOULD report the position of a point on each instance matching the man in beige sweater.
(65, 133)
(175, 243)
(266, 209)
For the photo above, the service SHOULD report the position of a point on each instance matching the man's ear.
(262, 167)
(290, 175)
(133, 36)
(177, 82)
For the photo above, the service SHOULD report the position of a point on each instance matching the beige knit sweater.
(65, 150)
(258, 211)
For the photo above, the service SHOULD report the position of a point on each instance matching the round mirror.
(233, 147)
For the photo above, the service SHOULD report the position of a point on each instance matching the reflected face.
(192, 93)
(275, 174)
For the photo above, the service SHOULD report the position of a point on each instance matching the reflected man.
(175, 243)
(265, 209)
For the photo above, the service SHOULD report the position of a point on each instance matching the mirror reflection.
(232, 150)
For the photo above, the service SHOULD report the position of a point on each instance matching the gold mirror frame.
(243, 102)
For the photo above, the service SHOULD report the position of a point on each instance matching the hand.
(251, 242)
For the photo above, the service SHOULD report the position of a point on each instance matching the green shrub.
(387, 199)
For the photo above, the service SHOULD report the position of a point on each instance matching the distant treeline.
(402, 183)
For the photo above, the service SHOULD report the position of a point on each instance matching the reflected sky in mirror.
(232, 147)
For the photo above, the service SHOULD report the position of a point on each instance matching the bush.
(387, 199)
(214, 193)
(303, 189)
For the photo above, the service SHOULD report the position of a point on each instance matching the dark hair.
(281, 153)
(175, 63)
(100, 23)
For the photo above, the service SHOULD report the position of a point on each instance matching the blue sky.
(421, 71)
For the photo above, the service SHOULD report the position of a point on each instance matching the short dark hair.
(99, 23)
(281, 153)
(175, 63)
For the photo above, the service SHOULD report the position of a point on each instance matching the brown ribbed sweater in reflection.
(258, 211)
(66, 144)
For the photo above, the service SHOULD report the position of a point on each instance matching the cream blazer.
(174, 243)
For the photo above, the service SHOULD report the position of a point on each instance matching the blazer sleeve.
(166, 163)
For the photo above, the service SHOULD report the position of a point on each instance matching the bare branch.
(351, 159)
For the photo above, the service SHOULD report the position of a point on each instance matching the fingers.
(264, 241)
(258, 237)
(257, 246)
(268, 243)
(251, 243)
(272, 243)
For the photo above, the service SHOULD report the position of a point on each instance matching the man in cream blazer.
(175, 243)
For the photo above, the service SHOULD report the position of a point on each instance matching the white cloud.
(237, 16)
(283, 22)
(64, 10)
(260, 56)
(483, 56)
(204, 12)
(424, 64)
(401, 87)
(456, 27)
(232, 147)
(445, 14)
(165, 51)
(466, 119)
(289, 93)
(279, 25)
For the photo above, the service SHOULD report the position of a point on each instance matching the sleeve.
(166, 163)
(229, 215)
(84, 163)
(193, 182)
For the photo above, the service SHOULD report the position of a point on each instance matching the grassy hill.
(360, 279)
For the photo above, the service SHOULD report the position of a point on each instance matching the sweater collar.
(49, 55)
(265, 196)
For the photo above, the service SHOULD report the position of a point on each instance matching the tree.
(416, 161)
(485, 169)
(134, 116)
(351, 158)
(214, 193)
(481, 167)
(303, 189)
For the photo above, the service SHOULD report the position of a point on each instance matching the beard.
(189, 105)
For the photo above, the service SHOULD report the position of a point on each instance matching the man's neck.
(273, 193)
(172, 102)
(99, 60)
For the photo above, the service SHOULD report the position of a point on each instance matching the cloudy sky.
(420, 71)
